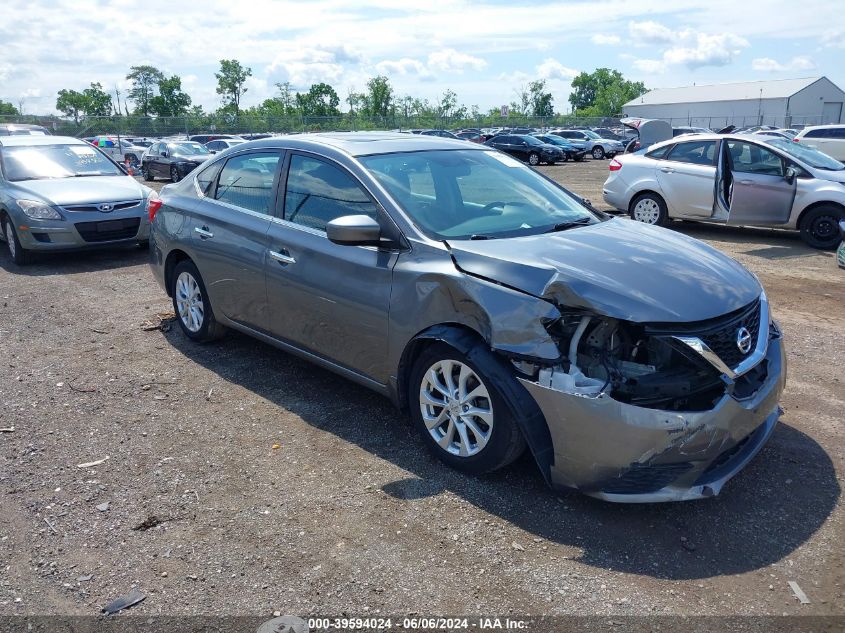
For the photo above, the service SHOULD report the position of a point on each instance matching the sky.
(484, 51)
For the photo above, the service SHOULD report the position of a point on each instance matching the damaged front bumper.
(625, 453)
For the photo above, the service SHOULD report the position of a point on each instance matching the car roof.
(822, 127)
(29, 140)
(366, 143)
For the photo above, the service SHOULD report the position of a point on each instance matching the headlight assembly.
(38, 210)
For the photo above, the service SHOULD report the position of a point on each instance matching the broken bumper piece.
(625, 453)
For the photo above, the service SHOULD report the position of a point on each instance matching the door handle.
(283, 257)
(667, 170)
(203, 232)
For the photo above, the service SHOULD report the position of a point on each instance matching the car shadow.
(762, 516)
(72, 262)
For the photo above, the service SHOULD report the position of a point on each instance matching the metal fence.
(246, 124)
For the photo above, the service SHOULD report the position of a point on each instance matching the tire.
(533, 159)
(18, 253)
(820, 227)
(494, 442)
(598, 152)
(565, 158)
(147, 174)
(174, 174)
(649, 208)
(197, 319)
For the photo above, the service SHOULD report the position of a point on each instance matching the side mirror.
(212, 151)
(790, 175)
(164, 153)
(354, 230)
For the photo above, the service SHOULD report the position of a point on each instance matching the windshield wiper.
(562, 226)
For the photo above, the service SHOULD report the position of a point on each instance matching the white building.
(779, 102)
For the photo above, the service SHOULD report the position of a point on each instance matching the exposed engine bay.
(625, 361)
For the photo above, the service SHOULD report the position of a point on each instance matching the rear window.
(660, 152)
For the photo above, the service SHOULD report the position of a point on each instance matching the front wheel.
(174, 174)
(461, 413)
(147, 174)
(649, 208)
(534, 159)
(598, 152)
(565, 158)
(18, 253)
(191, 304)
(820, 227)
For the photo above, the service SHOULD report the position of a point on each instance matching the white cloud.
(450, 60)
(553, 69)
(650, 66)
(833, 39)
(404, 66)
(305, 66)
(706, 50)
(767, 64)
(605, 40)
(650, 32)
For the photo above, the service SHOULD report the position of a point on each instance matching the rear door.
(330, 299)
(752, 186)
(230, 235)
(687, 178)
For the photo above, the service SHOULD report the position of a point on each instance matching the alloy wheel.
(10, 239)
(456, 408)
(647, 210)
(174, 174)
(533, 159)
(189, 303)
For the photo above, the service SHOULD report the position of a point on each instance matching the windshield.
(553, 140)
(591, 134)
(466, 194)
(531, 140)
(55, 161)
(188, 149)
(813, 157)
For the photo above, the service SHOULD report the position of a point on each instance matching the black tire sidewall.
(22, 256)
(807, 225)
(598, 150)
(207, 331)
(498, 450)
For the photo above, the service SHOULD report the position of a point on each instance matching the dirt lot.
(241, 480)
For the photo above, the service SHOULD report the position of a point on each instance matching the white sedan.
(733, 179)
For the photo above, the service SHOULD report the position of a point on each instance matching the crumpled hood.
(619, 268)
(63, 191)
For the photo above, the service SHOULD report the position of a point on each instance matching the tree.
(541, 101)
(603, 92)
(71, 103)
(170, 101)
(522, 105)
(379, 97)
(144, 81)
(7, 108)
(97, 101)
(320, 100)
(230, 83)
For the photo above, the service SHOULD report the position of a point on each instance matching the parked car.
(486, 301)
(440, 133)
(605, 132)
(596, 146)
(58, 193)
(173, 160)
(221, 144)
(467, 135)
(120, 150)
(205, 138)
(528, 148)
(22, 129)
(142, 141)
(829, 139)
(568, 149)
(776, 133)
(840, 252)
(685, 129)
(733, 179)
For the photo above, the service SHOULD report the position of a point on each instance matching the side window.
(155, 149)
(749, 158)
(207, 176)
(695, 152)
(836, 132)
(660, 152)
(318, 192)
(822, 133)
(246, 181)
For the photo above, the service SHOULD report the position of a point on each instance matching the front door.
(229, 230)
(752, 186)
(687, 177)
(326, 298)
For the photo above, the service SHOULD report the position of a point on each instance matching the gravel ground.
(241, 480)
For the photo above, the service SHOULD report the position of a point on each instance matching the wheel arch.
(815, 205)
(173, 258)
(642, 192)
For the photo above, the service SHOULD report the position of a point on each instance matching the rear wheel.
(649, 208)
(598, 152)
(174, 174)
(18, 253)
(820, 227)
(534, 159)
(565, 157)
(148, 175)
(191, 304)
(461, 413)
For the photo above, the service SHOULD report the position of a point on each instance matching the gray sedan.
(59, 193)
(636, 364)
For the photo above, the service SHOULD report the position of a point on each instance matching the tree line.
(153, 94)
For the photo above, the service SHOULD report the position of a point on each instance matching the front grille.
(108, 230)
(94, 206)
(644, 478)
(719, 334)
